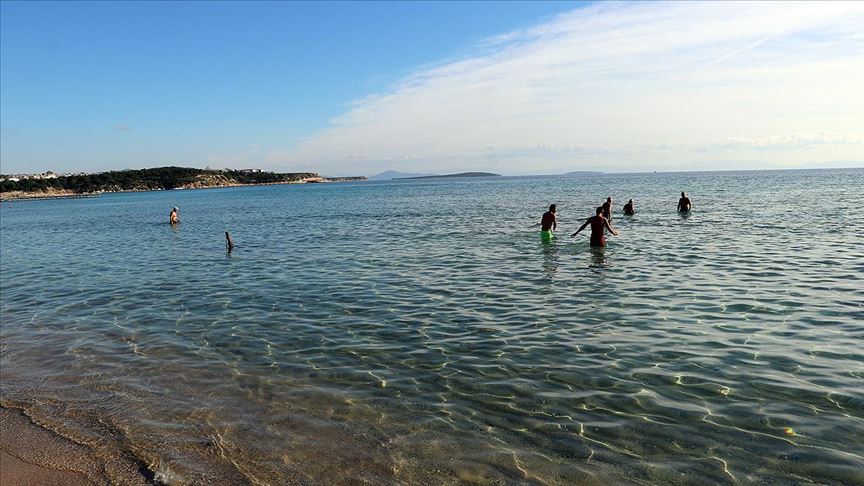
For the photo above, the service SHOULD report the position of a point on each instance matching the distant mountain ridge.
(461, 174)
(389, 175)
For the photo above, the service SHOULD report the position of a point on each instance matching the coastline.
(34, 455)
(64, 194)
(56, 194)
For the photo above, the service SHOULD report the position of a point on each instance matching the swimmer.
(172, 218)
(598, 225)
(229, 245)
(607, 209)
(628, 208)
(684, 203)
(548, 224)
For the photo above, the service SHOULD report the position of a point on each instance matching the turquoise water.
(420, 332)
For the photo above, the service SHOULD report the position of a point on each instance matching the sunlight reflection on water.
(421, 331)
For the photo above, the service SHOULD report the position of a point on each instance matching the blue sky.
(356, 88)
(97, 85)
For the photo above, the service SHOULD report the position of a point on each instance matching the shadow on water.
(550, 257)
(598, 257)
(157, 223)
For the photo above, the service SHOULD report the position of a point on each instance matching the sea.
(420, 332)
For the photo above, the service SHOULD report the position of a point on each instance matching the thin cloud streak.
(618, 81)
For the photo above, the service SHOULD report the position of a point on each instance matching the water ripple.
(419, 333)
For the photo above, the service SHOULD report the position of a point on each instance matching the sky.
(351, 88)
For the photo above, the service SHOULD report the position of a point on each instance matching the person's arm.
(606, 222)
(554, 222)
(581, 227)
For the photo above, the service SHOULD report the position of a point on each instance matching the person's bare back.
(684, 203)
(628, 208)
(607, 209)
(548, 221)
(598, 226)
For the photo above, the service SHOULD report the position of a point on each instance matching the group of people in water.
(600, 222)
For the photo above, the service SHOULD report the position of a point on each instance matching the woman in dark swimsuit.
(598, 224)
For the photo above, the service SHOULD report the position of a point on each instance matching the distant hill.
(389, 175)
(459, 175)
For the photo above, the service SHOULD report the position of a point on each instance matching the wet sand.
(33, 455)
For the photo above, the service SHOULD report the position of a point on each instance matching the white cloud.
(632, 86)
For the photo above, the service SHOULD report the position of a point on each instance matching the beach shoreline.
(31, 454)
(56, 194)
(63, 194)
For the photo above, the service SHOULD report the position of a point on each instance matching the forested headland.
(161, 178)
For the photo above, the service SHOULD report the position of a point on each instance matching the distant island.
(389, 175)
(460, 175)
(343, 179)
(157, 179)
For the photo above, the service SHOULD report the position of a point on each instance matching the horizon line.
(594, 172)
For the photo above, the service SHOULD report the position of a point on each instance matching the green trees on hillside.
(144, 179)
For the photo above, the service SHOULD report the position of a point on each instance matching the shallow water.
(420, 332)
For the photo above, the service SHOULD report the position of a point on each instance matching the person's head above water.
(599, 210)
(630, 201)
(609, 199)
(175, 208)
(552, 208)
(683, 194)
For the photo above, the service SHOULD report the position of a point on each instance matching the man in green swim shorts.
(548, 224)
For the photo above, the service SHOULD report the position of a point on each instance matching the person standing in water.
(598, 226)
(684, 203)
(607, 209)
(628, 208)
(548, 224)
(172, 218)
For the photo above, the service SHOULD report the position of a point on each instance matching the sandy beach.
(33, 455)
(51, 194)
